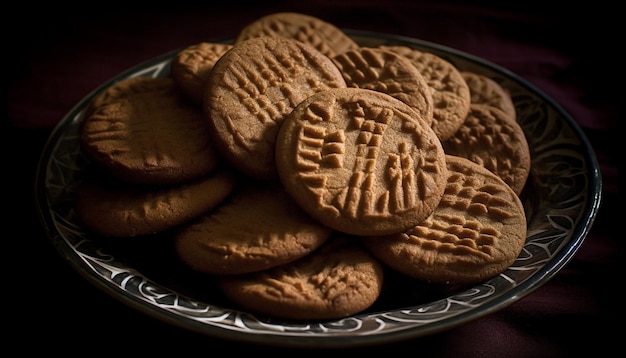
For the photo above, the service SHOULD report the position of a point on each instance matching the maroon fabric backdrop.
(53, 61)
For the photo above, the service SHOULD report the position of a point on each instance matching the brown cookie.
(385, 71)
(489, 137)
(128, 87)
(151, 137)
(484, 90)
(191, 67)
(323, 36)
(361, 161)
(252, 88)
(476, 232)
(112, 208)
(451, 95)
(259, 227)
(338, 280)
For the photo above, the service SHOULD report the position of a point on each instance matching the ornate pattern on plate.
(561, 198)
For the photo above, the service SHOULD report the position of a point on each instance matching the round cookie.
(484, 90)
(150, 137)
(111, 208)
(257, 228)
(361, 161)
(385, 71)
(191, 67)
(489, 137)
(128, 87)
(323, 36)
(252, 88)
(477, 231)
(338, 280)
(450, 92)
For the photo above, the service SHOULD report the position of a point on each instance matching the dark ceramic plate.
(561, 198)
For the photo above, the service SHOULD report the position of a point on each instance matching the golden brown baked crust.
(323, 36)
(191, 67)
(128, 87)
(451, 95)
(476, 232)
(149, 137)
(490, 138)
(484, 90)
(252, 88)
(257, 228)
(111, 208)
(336, 281)
(388, 72)
(360, 161)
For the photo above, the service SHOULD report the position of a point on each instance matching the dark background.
(56, 56)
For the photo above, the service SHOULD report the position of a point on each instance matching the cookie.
(128, 87)
(110, 208)
(484, 90)
(385, 71)
(250, 90)
(490, 138)
(477, 231)
(323, 36)
(191, 66)
(360, 161)
(338, 280)
(149, 137)
(450, 92)
(257, 228)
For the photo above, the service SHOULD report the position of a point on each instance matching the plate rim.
(536, 280)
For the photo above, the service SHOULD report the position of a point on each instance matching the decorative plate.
(561, 198)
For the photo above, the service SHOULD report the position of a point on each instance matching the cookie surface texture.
(338, 280)
(361, 161)
(257, 228)
(191, 67)
(252, 88)
(152, 137)
(114, 209)
(322, 35)
(484, 90)
(450, 92)
(128, 87)
(476, 232)
(490, 138)
(385, 71)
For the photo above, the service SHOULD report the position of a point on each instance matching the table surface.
(61, 59)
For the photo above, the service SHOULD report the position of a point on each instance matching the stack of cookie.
(296, 166)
